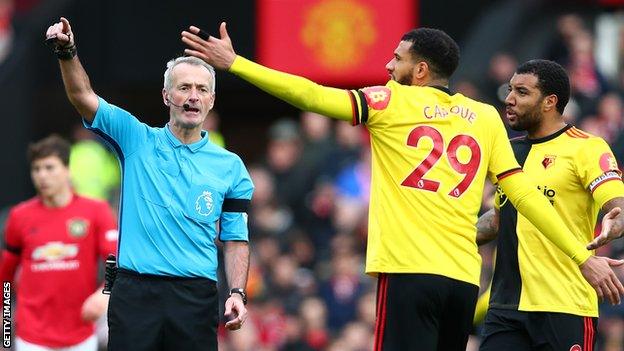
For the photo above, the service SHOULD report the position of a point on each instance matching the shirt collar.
(441, 88)
(176, 143)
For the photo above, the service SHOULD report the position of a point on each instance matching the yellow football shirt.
(431, 152)
(425, 141)
(531, 273)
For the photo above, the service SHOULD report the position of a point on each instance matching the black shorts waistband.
(145, 276)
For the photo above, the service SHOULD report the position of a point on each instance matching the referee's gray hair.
(191, 60)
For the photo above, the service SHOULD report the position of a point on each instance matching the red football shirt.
(58, 250)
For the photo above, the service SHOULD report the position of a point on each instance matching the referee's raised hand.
(60, 34)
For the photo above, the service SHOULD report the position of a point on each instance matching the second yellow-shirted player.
(539, 300)
(431, 152)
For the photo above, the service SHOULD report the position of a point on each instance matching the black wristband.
(241, 292)
(65, 53)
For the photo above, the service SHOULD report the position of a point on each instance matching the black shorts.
(423, 312)
(513, 330)
(148, 312)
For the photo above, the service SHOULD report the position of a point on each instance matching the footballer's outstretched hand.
(598, 273)
(217, 52)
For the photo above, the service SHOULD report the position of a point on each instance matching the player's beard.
(528, 121)
(405, 79)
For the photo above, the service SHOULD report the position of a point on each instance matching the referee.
(177, 187)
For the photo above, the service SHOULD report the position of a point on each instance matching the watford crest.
(548, 161)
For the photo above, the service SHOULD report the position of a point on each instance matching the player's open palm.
(217, 52)
(609, 232)
(598, 273)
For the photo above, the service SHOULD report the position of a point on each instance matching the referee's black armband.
(235, 205)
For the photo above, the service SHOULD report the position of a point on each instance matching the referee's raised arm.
(60, 38)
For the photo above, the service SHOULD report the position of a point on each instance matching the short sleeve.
(597, 168)
(596, 164)
(120, 129)
(234, 214)
(502, 161)
(107, 232)
(13, 240)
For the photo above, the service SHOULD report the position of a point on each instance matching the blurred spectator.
(586, 83)
(284, 160)
(314, 316)
(268, 216)
(349, 142)
(568, 26)
(495, 85)
(317, 139)
(295, 338)
(343, 289)
(211, 124)
(94, 169)
(611, 114)
(358, 336)
(467, 88)
(283, 283)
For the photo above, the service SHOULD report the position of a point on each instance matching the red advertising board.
(338, 42)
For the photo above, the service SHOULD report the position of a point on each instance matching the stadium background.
(308, 217)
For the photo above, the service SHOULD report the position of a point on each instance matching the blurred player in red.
(57, 239)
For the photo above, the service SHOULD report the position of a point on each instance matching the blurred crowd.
(308, 217)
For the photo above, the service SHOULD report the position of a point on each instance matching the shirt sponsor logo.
(545, 190)
(603, 178)
(204, 204)
(77, 227)
(55, 255)
(548, 192)
(548, 161)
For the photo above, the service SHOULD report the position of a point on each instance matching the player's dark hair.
(436, 48)
(52, 145)
(552, 79)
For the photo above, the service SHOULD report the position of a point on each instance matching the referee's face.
(190, 97)
(49, 176)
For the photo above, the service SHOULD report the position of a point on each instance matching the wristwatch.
(241, 292)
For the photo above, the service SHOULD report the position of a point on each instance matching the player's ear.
(421, 70)
(550, 102)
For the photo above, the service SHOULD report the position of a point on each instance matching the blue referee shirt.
(172, 196)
